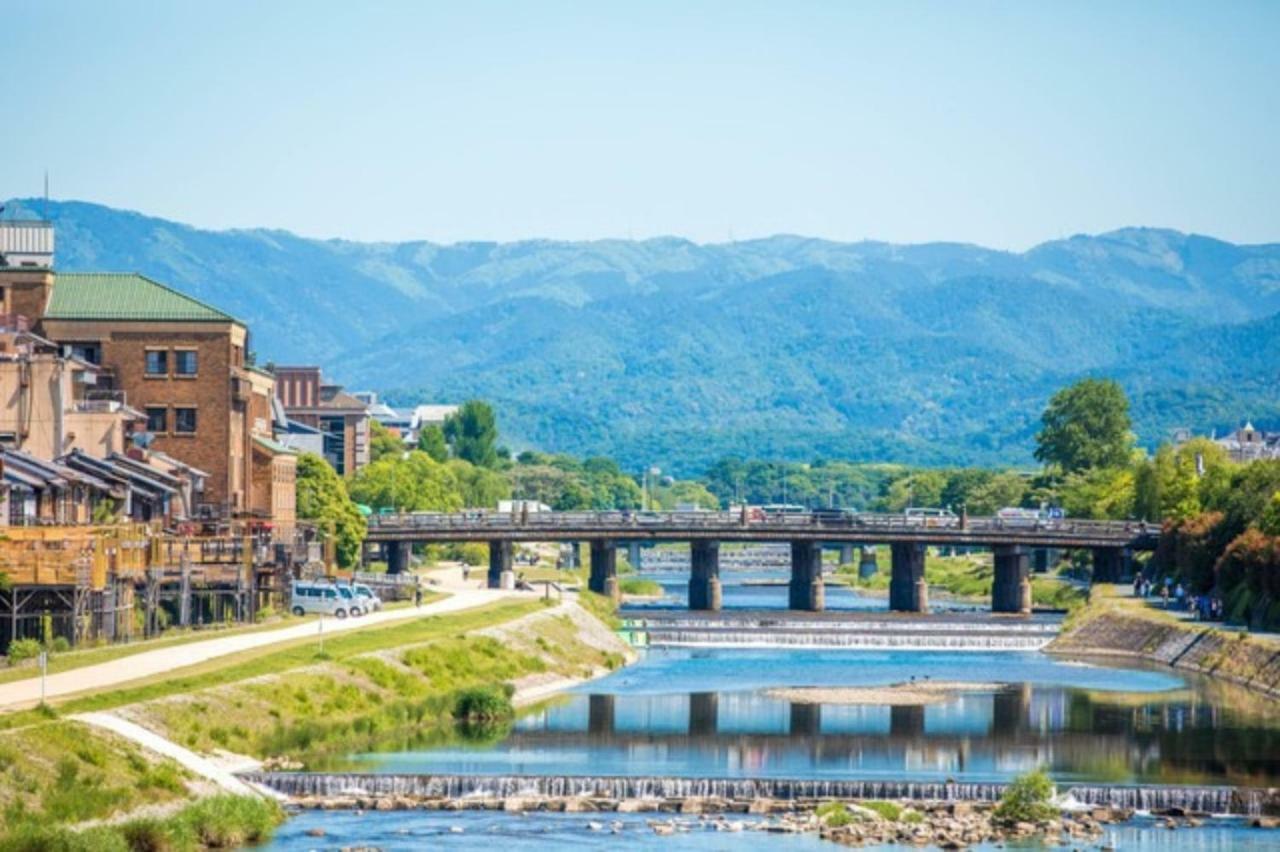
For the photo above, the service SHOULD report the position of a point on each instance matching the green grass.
(891, 811)
(640, 586)
(362, 701)
(217, 822)
(283, 657)
(63, 771)
(834, 814)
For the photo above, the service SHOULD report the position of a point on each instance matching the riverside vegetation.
(435, 679)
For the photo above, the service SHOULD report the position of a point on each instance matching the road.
(26, 693)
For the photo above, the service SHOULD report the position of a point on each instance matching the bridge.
(908, 535)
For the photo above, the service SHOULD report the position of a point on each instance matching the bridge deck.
(834, 526)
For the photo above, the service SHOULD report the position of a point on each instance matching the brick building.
(181, 363)
(340, 416)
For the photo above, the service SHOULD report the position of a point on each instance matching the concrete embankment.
(1116, 627)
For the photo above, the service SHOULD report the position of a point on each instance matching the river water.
(707, 713)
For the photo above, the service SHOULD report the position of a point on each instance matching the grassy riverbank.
(293, 705)
(1114, 624)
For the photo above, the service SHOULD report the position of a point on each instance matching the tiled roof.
(274, 447)
(124, 296)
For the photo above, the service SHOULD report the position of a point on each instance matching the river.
(707, 713)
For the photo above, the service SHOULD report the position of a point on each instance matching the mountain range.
(674, 353)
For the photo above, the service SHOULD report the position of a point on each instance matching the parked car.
(319, 598)
(368, 598)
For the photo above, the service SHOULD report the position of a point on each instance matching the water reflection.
(767, 589)
(1073, 719)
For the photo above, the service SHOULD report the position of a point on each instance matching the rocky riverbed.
(954, 825)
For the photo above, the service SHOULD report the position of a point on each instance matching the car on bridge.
(932, 518)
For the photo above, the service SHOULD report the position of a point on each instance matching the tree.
(472, 431)
(1086, 426)
(415, 483)
(322, 497)
(1100, 493)
(1001, 490)
(480, 487)
(383, 443)
(431, 441)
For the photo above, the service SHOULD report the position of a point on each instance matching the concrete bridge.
(807, 533)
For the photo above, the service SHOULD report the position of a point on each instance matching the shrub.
(59, 645)
(486, 702)
(834, 814)
(221, 822)
(21, 650)
(1027, 799)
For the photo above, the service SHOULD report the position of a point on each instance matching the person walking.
(417, 596)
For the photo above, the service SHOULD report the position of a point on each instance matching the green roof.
(124, 296)
(274, 446)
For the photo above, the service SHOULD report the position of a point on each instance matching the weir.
(1248, 801)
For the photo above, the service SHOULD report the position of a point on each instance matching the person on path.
(417, 596)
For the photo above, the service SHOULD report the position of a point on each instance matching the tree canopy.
(322, 497)
(1086, 426)
(472, 432)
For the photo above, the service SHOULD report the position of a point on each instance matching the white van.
(368, 598)
(320, 598)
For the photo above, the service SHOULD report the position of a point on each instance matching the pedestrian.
(1164, 596)
(1180, 596)
(417, 596)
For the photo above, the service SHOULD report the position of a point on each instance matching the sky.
(1004, 124)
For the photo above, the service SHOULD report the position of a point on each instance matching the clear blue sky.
(999, 123)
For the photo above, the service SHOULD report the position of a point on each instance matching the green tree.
(322, 498)
(917, 488)
(686, 492)
(472, 431)
(481, 488)
(1101, 494)
(1086, 426)
(383, 443)
(431, 441)
(416, 483)
(1146, 491)
(999, 491)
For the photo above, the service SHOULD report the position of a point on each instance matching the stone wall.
(1248, 661)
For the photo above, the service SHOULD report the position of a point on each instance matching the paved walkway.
(26, 693)
(185, 757)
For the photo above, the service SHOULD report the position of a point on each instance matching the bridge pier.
(398, 556)
(1108, 564)
(806, 592)
(1011, 590)
(846, 553)
(600, 714)
(704, 712)
(704, 580)
(633, 555)
(1040, 560)
(604, 569)
(908, 591)
(500, 553)
(906, 720)
(1010, 708)
(867, 566)
(806, 720)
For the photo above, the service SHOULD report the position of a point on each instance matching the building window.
(184, 421)
(157, 419)
(157, 362)
(90, 352)
(184, 362)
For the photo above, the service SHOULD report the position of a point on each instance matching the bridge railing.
(849, 524)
